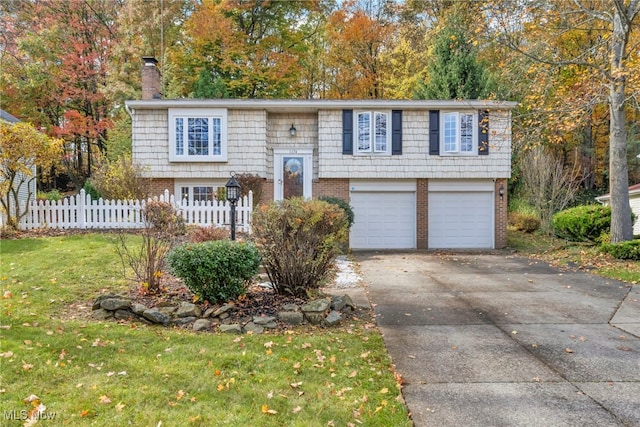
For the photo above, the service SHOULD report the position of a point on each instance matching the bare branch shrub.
(162, 228)
(547, 185)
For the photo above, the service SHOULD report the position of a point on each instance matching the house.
(418, 174)
(26, 192)
(634, 202)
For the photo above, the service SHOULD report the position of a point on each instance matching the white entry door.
(292, 173)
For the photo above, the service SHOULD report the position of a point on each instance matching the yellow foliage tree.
(22, 150)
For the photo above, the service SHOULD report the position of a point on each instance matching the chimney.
(151, 82)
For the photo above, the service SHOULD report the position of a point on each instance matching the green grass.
(114, 374)
(576, 255)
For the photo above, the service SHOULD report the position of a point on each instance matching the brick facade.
(501, 204)
(158, 185)
(422, 213)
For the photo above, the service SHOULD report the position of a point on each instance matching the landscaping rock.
(208, 312)
(290, 307)
(333, 318)
(222, 310)
(169, 310)
(316, 311)
(201, 325)
(101, 314)
(187, 309)
(291, 317)
(231, 329)
(156, 317)
(138, 308)
(263, 320)
(116, 303)
(182, 321)
(253, 328)
(97, 303)
(123, 315)
(339, 302)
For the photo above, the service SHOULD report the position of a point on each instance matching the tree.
(454, 70)
(22, 150)
(550, 33)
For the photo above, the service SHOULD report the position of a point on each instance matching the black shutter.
(483, 133)
(347, 131)
(396, 132)
(434, 132)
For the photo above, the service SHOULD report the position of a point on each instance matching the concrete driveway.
(501, 340)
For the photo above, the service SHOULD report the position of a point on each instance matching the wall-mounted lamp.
(501, 191)
(292, 130)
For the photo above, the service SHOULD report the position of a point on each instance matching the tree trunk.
(621, 226)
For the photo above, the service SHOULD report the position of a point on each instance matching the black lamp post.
(233, 194)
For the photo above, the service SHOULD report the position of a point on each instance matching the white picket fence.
(82, 212)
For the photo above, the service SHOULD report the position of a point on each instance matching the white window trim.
(279, 154)
(179, 184)
(474, 135)
(186, 113)
(372, 147)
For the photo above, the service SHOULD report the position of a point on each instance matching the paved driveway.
(500, 340)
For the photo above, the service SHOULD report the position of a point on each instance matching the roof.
(8, 117)
(633, 190)
(314, 105)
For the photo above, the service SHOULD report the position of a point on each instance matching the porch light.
(233, 194)
(292, 130)
(501, 191)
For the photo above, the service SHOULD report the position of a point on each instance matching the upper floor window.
(372, 132)
(459, 131)
(197, 135)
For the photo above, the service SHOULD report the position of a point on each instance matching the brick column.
(501, 205)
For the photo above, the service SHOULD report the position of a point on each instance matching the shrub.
(623, 250)
(53, 195)
(205, 234)
(582, 223)
(91, 190)
(216, 271)
(524, 222)
(299, 240)
(162, 226)
(346, 207)
(250, 182)
(120, 179)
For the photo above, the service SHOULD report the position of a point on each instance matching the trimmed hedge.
(216, 271)
(623, 250)
(582, 223)
(346, 207)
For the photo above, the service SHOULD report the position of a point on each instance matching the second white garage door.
(383, 219)
(461, 214)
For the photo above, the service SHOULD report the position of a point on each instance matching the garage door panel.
(383, 220)
(460, 219)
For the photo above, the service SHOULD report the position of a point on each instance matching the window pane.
(466, 133)
(179, 136)
(450, 133)
(184, 194)
(202, 194)
(217, 136)
(381, 132)
(198, 136)
(364, 131)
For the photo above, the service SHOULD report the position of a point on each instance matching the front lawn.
(112, 374)
(581, 256)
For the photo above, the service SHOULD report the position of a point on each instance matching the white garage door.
(383, 219)
(461, 215)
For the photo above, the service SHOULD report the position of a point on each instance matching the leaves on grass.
(266, 410)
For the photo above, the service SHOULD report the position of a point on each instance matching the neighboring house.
(418, 174)
(26, 189)
(634, 202)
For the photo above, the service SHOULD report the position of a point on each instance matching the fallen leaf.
(119, 407)
(384, 390)
(268, 344)
(568, 350)
(296, 409)
(353, 374)
(6, 354)
(26, 366)
(180, 394)
(104, 400)
(266, 410)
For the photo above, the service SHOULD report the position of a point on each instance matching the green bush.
(216, 271)
(53, 195)
(524, 222)
(299, 240)
(582, 223)
(345, 206)
(623, 250)
(91, 190)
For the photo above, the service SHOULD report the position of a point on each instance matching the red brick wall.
(334, 187)
(158, 185)
(422, 213)
(501, 213)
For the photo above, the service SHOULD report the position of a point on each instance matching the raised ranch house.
(634, 202)
(418, 174)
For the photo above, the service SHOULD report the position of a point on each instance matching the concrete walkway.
(500, 340)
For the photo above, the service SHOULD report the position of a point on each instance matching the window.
(459, 131)
(197, 193)
(197, 135)
(372, 133)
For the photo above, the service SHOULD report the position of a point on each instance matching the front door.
(293, 173)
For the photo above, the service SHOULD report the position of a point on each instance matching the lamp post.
(233, 194)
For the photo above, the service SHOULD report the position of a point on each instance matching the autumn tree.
(22, 151)
(552, 34)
